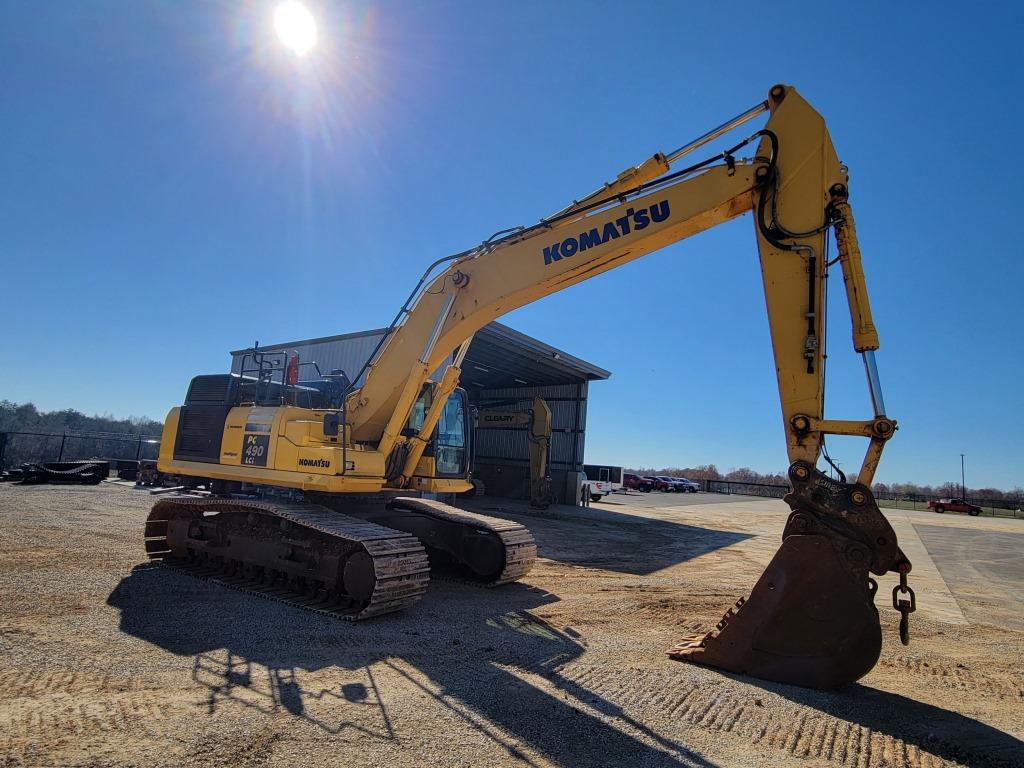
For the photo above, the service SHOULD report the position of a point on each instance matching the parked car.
(637, 483)
(658, 483)
(954, 505)
(674, 484)
(689, 486)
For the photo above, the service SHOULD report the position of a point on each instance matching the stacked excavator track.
(301, 554)
(319, 559)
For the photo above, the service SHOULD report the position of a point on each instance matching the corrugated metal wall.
(502, 458)
(568, 404)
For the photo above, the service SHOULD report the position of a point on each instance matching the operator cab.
(449, 445)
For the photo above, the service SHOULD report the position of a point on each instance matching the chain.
(904, 606)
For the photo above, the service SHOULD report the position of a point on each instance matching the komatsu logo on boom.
(633, 221)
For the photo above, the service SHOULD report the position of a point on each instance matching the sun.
(295, 27)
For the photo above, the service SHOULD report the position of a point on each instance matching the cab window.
(419, 411)
(450, 443)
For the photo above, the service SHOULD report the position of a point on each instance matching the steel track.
(399, 560)
(520, 548)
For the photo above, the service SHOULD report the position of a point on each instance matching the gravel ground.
(107, 661)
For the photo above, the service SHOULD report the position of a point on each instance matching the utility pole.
(963, 485)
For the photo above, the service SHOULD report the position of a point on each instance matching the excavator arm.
(537, 423)
(800, 189)
(811, 618)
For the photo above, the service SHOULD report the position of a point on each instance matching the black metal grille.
(194, 444)
(210, 389)
(200, 430)
(194, 420)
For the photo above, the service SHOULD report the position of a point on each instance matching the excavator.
(537, 423)
(330, 494)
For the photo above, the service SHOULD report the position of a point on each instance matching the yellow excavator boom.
(805, 195)
(811, 618)
(796, 189)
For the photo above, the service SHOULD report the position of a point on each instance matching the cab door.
(451, 441)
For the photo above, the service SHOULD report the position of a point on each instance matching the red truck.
(954, 505)
(636, 483)
(657, 483)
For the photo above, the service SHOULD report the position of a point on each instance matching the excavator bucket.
(810, 619)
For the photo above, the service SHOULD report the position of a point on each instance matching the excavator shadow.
(608, 539)
(957, 738)
(480, 655)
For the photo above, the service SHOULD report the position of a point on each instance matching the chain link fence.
(17, 448)
(767, 490)
(1011, 507)
(1005, 507)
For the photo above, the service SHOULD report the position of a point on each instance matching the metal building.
(503, 369)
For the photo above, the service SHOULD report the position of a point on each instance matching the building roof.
(318, 340)
(499, 357)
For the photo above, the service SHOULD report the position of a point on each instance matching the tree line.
(881, 490)
(711, 472)
(87, 436)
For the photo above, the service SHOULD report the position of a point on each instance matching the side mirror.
(331, 424)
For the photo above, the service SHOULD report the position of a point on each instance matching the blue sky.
(175, 186)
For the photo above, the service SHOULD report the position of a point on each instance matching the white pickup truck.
(596, 488)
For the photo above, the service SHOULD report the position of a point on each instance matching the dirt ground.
(108, 661)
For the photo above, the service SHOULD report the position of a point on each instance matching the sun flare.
(295, 27)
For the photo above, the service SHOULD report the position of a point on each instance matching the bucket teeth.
(689, 643)
(700, 641)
